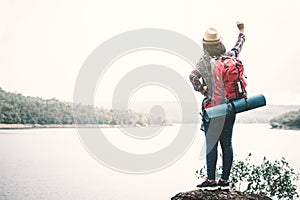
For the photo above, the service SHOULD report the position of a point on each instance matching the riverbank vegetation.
(288, 120)
(16, 108)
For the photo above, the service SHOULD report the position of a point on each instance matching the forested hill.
(18, 109)
(288, 120)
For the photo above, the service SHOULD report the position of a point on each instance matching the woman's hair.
(214, 49)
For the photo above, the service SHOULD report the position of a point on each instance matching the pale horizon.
(44, 44)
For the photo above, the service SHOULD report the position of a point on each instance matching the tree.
(289, 120)
(18, 109)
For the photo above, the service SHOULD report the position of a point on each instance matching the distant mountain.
(173, 113)
(265, 114)
(170, 109)
(18, 109)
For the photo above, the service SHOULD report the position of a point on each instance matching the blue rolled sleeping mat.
(237, 106)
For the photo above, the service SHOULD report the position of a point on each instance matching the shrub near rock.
(274, 179)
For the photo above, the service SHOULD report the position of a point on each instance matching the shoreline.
(278, 126)
(286, 128)
(33, 126)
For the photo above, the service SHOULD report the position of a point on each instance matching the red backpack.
(229, 83)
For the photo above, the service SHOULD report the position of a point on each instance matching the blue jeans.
(219, 130)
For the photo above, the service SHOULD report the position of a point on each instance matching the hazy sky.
(43, 44)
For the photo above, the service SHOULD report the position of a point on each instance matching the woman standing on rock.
(217, 130)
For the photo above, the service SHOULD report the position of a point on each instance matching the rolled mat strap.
(237, 106)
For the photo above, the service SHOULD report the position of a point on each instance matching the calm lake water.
(53, 164)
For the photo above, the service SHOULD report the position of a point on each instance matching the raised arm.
(236, 50)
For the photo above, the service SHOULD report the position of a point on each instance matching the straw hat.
(211, 36)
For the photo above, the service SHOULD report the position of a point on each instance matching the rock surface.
(213, 195)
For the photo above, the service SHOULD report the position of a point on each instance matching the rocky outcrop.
(214, 195)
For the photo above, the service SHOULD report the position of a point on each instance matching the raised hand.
(240, 26)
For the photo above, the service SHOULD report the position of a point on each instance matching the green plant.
(273, 179)
(18, 109)
(289, 120)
